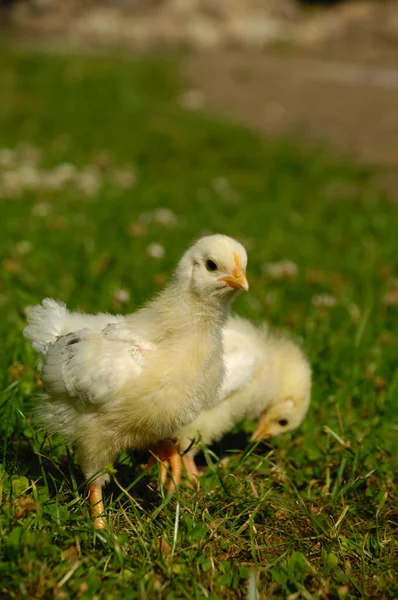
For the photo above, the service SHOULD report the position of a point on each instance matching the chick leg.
(171, 463)
(191, 469)
(97, 505)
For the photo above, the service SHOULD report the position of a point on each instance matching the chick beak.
(237, 279)
(261, 431)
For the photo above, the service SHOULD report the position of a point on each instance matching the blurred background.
(317, 69)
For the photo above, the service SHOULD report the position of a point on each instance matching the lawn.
(312, 514)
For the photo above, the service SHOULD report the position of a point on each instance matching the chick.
(122, 382)
(267, 378)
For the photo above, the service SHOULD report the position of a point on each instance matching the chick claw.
(170, 463)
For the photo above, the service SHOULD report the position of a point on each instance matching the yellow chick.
(267, 378)
(119, 382)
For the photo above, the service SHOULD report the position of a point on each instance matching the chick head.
(293, 394)
(280, 418)
(215, 266)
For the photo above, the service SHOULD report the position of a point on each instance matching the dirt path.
(351, 105)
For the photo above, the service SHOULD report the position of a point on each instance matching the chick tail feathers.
(46, 322)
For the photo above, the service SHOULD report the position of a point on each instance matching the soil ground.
(350, 103)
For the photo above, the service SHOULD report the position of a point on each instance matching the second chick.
(267, 378)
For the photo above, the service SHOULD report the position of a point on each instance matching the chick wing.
(91, 367)
(240, 364)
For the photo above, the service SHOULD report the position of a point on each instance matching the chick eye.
(211, 265)
(283, 422)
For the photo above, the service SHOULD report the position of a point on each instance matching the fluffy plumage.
(267, 378)
(117, 382)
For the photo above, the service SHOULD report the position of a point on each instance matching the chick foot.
(170, 463)
(97, 505)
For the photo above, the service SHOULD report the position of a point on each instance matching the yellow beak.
(261, 431)
(237, 280)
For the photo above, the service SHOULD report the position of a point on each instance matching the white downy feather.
(263, 372)
(91, 367)
(51, 319)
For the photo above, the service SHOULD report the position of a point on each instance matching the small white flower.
(49, 180)
(354, 312)
(89, 180)
(124, 178)
(155, 251)
(65, 173)
(192, 100)
(42, 209)
(11, 184)
(121, 295)
(324, 301)
(165, 217)
(284, 269)
(220, 185)
(23, 247)
(29, 177)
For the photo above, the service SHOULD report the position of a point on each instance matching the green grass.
(313, 514)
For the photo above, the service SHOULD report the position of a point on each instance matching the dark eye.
(283, 422)
(211, 265)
